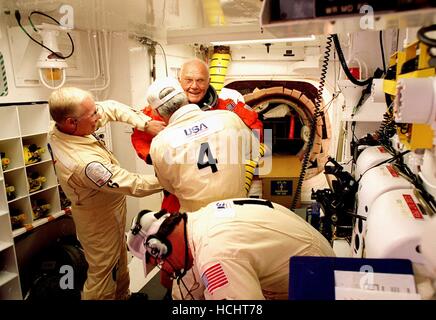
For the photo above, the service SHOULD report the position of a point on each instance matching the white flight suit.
(200, 156)
(97, 186)
(242, 250)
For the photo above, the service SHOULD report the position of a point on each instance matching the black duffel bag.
(59, 272)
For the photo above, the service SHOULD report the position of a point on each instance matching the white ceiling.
(190, 21)
(145, 16)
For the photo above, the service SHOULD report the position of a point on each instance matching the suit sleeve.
(141, 140)
(246, 113)
(230, 279)
(111, 110)
(103, 176)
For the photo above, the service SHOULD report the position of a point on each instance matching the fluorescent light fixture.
(275, 40)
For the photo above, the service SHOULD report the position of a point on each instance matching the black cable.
(354, 215)
(165, 58)
(186, 287)
(171, 276)
(417, 183)
(182, 274)
(57, 54)
(388, 126)
(316, 115)
(382, 51)
(329, 104)
(353, 131)
(177, 274)
(185, 221)
(53, 19)
(395, 157)
(29, 17)
(424, 38)
(178, 278)
(151, 44)
(344, 64)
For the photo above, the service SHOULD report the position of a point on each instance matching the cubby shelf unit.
(21, 126)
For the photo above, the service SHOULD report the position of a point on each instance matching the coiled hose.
(344, 64)
(317, 113)
(250, 167)
(387, 128)
(218, 67)
(3, 79)
(430, 42)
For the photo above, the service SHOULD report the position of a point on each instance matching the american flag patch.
(214, 278)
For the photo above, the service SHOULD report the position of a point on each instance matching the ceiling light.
(51, 67)
(275, 40)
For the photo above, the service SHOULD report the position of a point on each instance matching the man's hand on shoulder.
(153, 127)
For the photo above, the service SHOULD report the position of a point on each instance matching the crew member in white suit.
(236, 248)
(200, 156)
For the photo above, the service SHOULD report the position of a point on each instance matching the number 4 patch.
(211, 162)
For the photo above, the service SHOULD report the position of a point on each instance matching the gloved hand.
(153, 127)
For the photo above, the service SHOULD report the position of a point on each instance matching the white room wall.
(21, 55)
(17, 94)
(126, 86)
(129, 69)
(130, 77)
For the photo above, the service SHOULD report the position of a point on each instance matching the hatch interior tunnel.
(287, 108)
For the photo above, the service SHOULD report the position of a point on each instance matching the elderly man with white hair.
(195, 79)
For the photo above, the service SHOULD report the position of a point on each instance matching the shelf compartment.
(21, 207)
(23, 126)
(17, 179)
(40, 141)
(14, 151)
(40, 222)
(3, 201)
(43, 190)
(11, 289)
(34, 119)
(5, 230)
(9, 123)
(40, 162)
(4, 245)
(41, 169)
(5, 277)
(7, 260)
(17, 199)
(38, 202)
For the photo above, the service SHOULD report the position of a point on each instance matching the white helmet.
(154, 91)
(145, 224)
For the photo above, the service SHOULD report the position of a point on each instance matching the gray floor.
(154, 289)
(301, 211)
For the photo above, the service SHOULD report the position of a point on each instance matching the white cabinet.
(29, 190)
(9, 278)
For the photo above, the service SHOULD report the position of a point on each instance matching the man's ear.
(70, 121)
